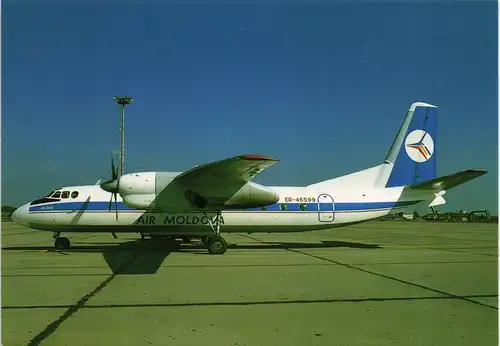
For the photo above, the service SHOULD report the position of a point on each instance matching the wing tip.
(479, 171)
(252, 157)
(414, 105)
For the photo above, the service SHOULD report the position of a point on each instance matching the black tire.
(217, 245)
(62, 243)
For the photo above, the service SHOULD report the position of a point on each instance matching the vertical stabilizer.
(412, 157)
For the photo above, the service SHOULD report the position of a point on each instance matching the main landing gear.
(61, 242)
(215, 243)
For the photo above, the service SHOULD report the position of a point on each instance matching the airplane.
(220, 197)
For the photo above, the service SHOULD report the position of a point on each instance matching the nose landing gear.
(61, 242)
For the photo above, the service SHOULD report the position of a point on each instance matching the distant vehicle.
(220, 196)
(479, 215)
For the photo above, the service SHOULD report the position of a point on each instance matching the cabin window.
(284, 206)
(303, 207)
(65, 194)
(74, 194)
(57, 194)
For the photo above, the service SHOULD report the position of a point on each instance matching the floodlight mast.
(123, 101)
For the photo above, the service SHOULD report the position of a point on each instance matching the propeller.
(112, 186)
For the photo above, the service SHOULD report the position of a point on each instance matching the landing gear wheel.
(217, 245)
(62, 243)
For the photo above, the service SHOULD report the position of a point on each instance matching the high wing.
(212, 184)
(240, 168)
(448, 181)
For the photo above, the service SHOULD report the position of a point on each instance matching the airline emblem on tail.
(419, 146)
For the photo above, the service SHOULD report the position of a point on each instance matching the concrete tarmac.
(378, 283)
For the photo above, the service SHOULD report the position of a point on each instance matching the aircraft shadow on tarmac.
(146, 256)
(127, 258)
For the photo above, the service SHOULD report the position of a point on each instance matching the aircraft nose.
(20, 215)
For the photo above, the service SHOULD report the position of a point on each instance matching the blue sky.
(324, 88)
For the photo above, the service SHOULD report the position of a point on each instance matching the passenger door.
(326, 208)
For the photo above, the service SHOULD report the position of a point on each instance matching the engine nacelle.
(137, 183)
(141, 202)
(252, 195)
(139, 190)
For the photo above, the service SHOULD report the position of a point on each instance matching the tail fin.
(416, 162)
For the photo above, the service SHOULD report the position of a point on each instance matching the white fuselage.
(298, 209)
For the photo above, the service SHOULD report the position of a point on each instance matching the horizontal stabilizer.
(448, 181)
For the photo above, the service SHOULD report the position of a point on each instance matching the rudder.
(416, 160)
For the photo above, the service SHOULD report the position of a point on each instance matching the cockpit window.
(74, 194)
(52, 197)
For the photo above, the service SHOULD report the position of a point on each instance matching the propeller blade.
(116, 207)
(109, 204)
(112, 186)
(114, 174)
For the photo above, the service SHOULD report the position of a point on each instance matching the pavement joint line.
(243, 303)
(466, 252)
(443, 237)
(42, 243)
(52, 275)
(382, 275)
(72, 309)
(445, 247)
(17, 233)
(449, 248)
(226, 266)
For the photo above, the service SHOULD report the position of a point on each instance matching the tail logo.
(419, 146)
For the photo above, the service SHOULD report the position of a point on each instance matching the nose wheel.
(216, 244)
(61, 242)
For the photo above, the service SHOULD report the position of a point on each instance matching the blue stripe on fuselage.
(284, 207)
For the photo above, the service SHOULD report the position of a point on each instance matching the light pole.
(123, 101)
